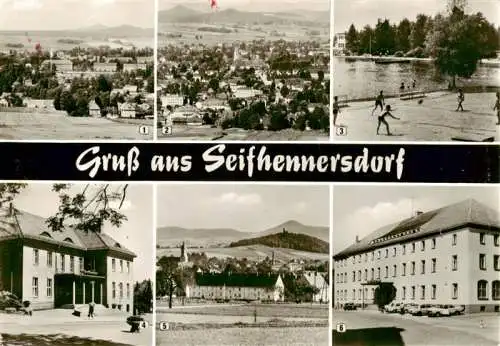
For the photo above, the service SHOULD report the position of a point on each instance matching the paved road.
(398, 330)
(433, 120)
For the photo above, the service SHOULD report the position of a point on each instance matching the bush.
(399, 54)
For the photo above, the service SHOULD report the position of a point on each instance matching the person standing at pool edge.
(497, 107)
(379, 101)
(335, 110)
(381, 119)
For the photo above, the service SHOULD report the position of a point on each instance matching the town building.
(318, 281)
(105, 67)
(134, 67)
(339, 42)
(64, 268)
(448, 255)
(127, 110)
(94, 109)
(228, 286)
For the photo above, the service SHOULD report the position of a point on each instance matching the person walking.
(461, 99)
(381, 119)
(497, 107)
(379, 101)
(335, 110)
(91, 309)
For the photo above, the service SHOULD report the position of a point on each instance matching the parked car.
(458, 309)
(420, 310)
(350, 306)
(393, 307)
(407, 308)
(441, 310)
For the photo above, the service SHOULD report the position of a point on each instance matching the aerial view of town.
(74, 270)
(76, 73)
(426, 72)
(233, 70)
(250, 269)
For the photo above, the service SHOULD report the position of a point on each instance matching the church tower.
(183, 257)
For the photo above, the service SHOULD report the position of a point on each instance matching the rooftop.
(236, 280)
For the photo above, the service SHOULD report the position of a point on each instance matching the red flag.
(213, 4)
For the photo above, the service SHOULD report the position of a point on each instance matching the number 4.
(341, 327)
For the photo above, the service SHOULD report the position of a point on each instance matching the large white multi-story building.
(64, 268)
(444, 256)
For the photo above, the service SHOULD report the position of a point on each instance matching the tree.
(458, 42)
(352, 39)
(419, 31)
(143, 297)
(403, 36)
(166, 278)
(384, 294)
(385, 38)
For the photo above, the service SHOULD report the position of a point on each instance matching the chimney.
(357, 239)
(11, 209)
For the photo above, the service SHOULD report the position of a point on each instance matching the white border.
(153, 279)
(155, 72)
(330, 272)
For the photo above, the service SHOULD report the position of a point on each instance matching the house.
(215, 286)
(62, 66)
(105, 67)
(40, 104)
(130, 89)
(448, 255)
(94, 109)
(339, 42)
(126, 110)
(172, 100)
(318, 281)
(70, 267)
(134, 67)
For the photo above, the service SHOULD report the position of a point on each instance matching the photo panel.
(77, 70)
(244, 70)
(421, 71)
(241, 264)
(416, 265)
(76, 264)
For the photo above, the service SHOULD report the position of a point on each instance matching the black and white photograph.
(244, 70)
(76, 264)
(416, 265)
(426, 70)
(77, 69)
(242, 265)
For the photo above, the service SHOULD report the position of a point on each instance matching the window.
(113, 264)
(373, 255)
(454, 240)
(394, 270)
(373, 274)
(359, 259)
(495, 290)
(482, 290)
(338, 280)
(433, 292)
(404, 269)
(113, 291)
(366, 274)
(366, 257)
(34, 287)
(63, 263)
(403, 293)
(386, 253)
(128, 290)
(359, 275)
(496, 263)
(482, 239)
(412, 268)
(353, 259)
(378, 273)
(422, 245)
(454, 262)
(454, 291)
(495, 240)
(81, 264)
(49, 259)
(433, 243)
(353, 294)
(72, 264)
(413, 247)
(128, 267)
(121, 266)
(413, 292)
(433, 265)
(423, 267)
(49, 287)
(378, 254)
(35, 256)
(404, 249)
(482, 261)
(394, 252)
(422, 292)
(386, 271)
(353, 276)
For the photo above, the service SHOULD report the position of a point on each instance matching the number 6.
(341, 327)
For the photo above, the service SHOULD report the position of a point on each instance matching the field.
(285, 324)
(244, 33)
(209, 133)
(252, 253)
(38, 126)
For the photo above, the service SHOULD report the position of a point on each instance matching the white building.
(229, 286)
(94, 109)
(105, 67)
(339, 41)
(445, 256)
(318, 281)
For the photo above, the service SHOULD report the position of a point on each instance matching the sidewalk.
(433, 120)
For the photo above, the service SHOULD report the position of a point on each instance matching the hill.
(173, 236)
(287, 240)
(183, 14)
(293, 226)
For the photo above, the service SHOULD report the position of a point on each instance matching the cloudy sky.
(251, 5)
(28, 15)
(360, 210)
(247, 208)
(135, 234)
(363, 12)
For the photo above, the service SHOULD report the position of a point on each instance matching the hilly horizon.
(185, 14)
(287, 240)
(124, 30)
(206, 237)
